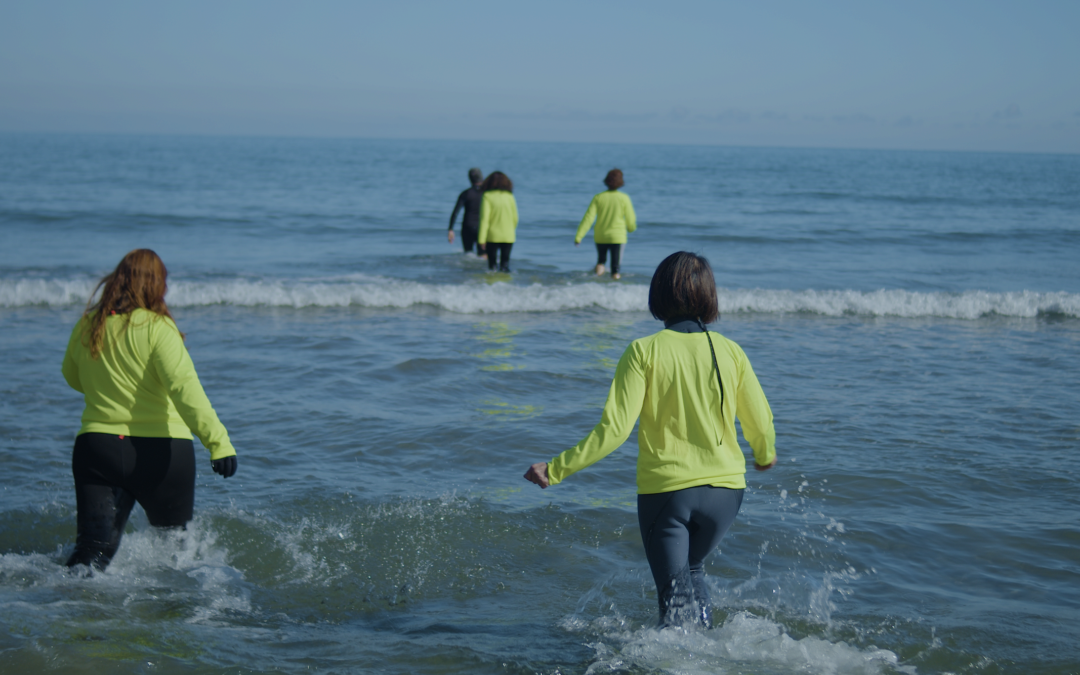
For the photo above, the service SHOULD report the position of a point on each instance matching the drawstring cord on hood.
(718, 380)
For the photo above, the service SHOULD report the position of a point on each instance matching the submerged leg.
(504, 257)
(616, 259)
(713, 515)
(601, 258)
(103, 513)
(678, 600)
(97, 465)
(679, 530)
(664, 522)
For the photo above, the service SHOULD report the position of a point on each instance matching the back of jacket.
(143, 383)
(614, 215)
(684, 439)
(498, 218)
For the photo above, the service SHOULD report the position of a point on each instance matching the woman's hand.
(766, 467)
(450, 236)
(537, 473)
(226, 466)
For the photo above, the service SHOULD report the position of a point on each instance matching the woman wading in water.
(688, 386)
(614, 215)
(143, 401)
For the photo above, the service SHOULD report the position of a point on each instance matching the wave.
(501, 296)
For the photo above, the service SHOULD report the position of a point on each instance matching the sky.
(981, 75)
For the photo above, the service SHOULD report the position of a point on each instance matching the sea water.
(913, 317)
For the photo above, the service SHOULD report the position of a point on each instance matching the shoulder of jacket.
(643, 344)
(731, 344)
(153, 321)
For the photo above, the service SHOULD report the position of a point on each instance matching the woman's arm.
(631, 217)
(755, 416)
(485, 220)
(172, 365)
(616, 422)
(586, 222)
(69, 368)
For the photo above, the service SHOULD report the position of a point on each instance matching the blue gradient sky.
(947, 74)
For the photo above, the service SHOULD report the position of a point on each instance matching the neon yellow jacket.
(143, 383)
(669, 380)
(498, 218)
(614, 214)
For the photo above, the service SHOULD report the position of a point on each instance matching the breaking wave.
(501, 296)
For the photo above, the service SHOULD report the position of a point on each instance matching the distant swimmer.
(143, 401)
(614, 216)
(498, 220)
(688, 385)
(470, 220)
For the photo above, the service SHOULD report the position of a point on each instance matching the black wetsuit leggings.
(679, 530)
(112, 473)
(616, 255)
(503, 253)
(468, 241)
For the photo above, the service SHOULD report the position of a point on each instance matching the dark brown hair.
(497, 180)
(683, 286)
(138, 282)
(614, 179)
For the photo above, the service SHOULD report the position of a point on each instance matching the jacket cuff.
(553, 476)
(222, 451)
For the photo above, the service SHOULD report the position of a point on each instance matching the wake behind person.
(498, 220)
(143, 401)
(688, 386)
(614, 215)
(469, 200)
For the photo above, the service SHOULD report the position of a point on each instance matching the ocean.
(913, 317)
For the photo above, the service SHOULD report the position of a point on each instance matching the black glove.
(226, 466)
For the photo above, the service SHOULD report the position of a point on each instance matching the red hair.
(138, 282)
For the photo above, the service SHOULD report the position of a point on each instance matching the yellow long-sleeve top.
(143, 383)
(614, 215)
(669, 380)
(498, 218)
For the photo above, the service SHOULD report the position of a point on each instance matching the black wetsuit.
(470, 222)
(679, 530)
(616, 255)
(499, 252)
(112, 473)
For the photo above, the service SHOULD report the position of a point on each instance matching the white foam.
(480, 297)
(471, 298)
(188, 569)
(966, 305)
(743, 639)
(51, 292)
